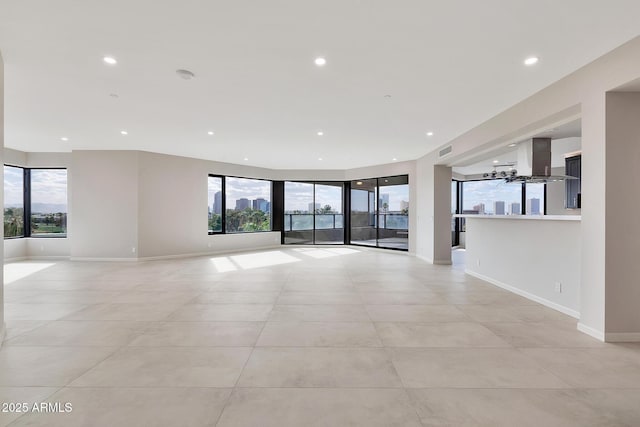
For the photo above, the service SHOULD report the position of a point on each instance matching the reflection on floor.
(299, 336)
(389, 242)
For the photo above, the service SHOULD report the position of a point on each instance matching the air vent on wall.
(445, 151)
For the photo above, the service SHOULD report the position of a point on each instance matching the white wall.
(173, 200)
(425, 207)
(104, 204)
(2, 324)
(528, 256)
(15, 250)
(622, 297)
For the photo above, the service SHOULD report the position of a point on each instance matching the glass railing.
(299, 222)
(393, 221)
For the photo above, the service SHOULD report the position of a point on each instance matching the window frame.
(26, 198)
(223, 220)
(377, 211)
(223, 203)
(338, 184)
(523, 197)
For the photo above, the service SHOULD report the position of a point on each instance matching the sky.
(48, 186)
(238, 188)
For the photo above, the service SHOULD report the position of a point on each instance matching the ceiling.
(447, 66)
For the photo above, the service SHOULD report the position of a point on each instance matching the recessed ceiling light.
(394, 159)
(110, 60)
(532, 60)
(359, 183)
(386, 180)
(320, 158)
(210, 133)
(320, 61)
(496, 161)
(246, 158)
(64, 138)
(429, 133)
(124, 132)
(319, 133)
(512, 145)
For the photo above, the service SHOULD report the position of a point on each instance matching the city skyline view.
(489, 191)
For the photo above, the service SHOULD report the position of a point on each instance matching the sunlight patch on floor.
(19, 270)
(320, 253)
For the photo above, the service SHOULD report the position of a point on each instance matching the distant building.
(261, 204)
(384, 201)
(498, 207)
(217, 203)
(404, 205)
(313, 207)
(515, 209)
(533, 206)
(479, 208)
(242, 204)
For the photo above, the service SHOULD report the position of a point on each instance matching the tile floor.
(299, 337)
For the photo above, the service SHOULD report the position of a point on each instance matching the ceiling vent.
(445, 151)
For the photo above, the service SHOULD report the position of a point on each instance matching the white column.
(622, 204)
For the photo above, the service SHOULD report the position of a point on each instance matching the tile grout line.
(264, 324)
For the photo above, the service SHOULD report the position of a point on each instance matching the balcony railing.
(387, 221)
(299, 222)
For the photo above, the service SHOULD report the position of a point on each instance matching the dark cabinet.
(572, 186)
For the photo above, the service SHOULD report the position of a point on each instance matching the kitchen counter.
(537, 257)
(524, 217)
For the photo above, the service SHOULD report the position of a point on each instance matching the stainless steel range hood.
(534, 163)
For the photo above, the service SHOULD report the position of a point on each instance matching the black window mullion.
(346, 211)
(223, 203)
(27, 202)
(523, 199)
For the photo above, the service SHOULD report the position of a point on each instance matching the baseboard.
(622, 336)
(36, 258)
(424, 258)
(209, 253)
(561, 308)
(99, 259)
(16, 259)
(176, 256)
(599, 335)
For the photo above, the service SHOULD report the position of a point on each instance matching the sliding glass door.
(313, 213)
(363, 212)
(380, 212)
(393, 212)
(329, 228)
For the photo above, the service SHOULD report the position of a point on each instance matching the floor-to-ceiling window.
(313, 213)
(393, 212)
(380, 212)
(364, 230)
(329, 228)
